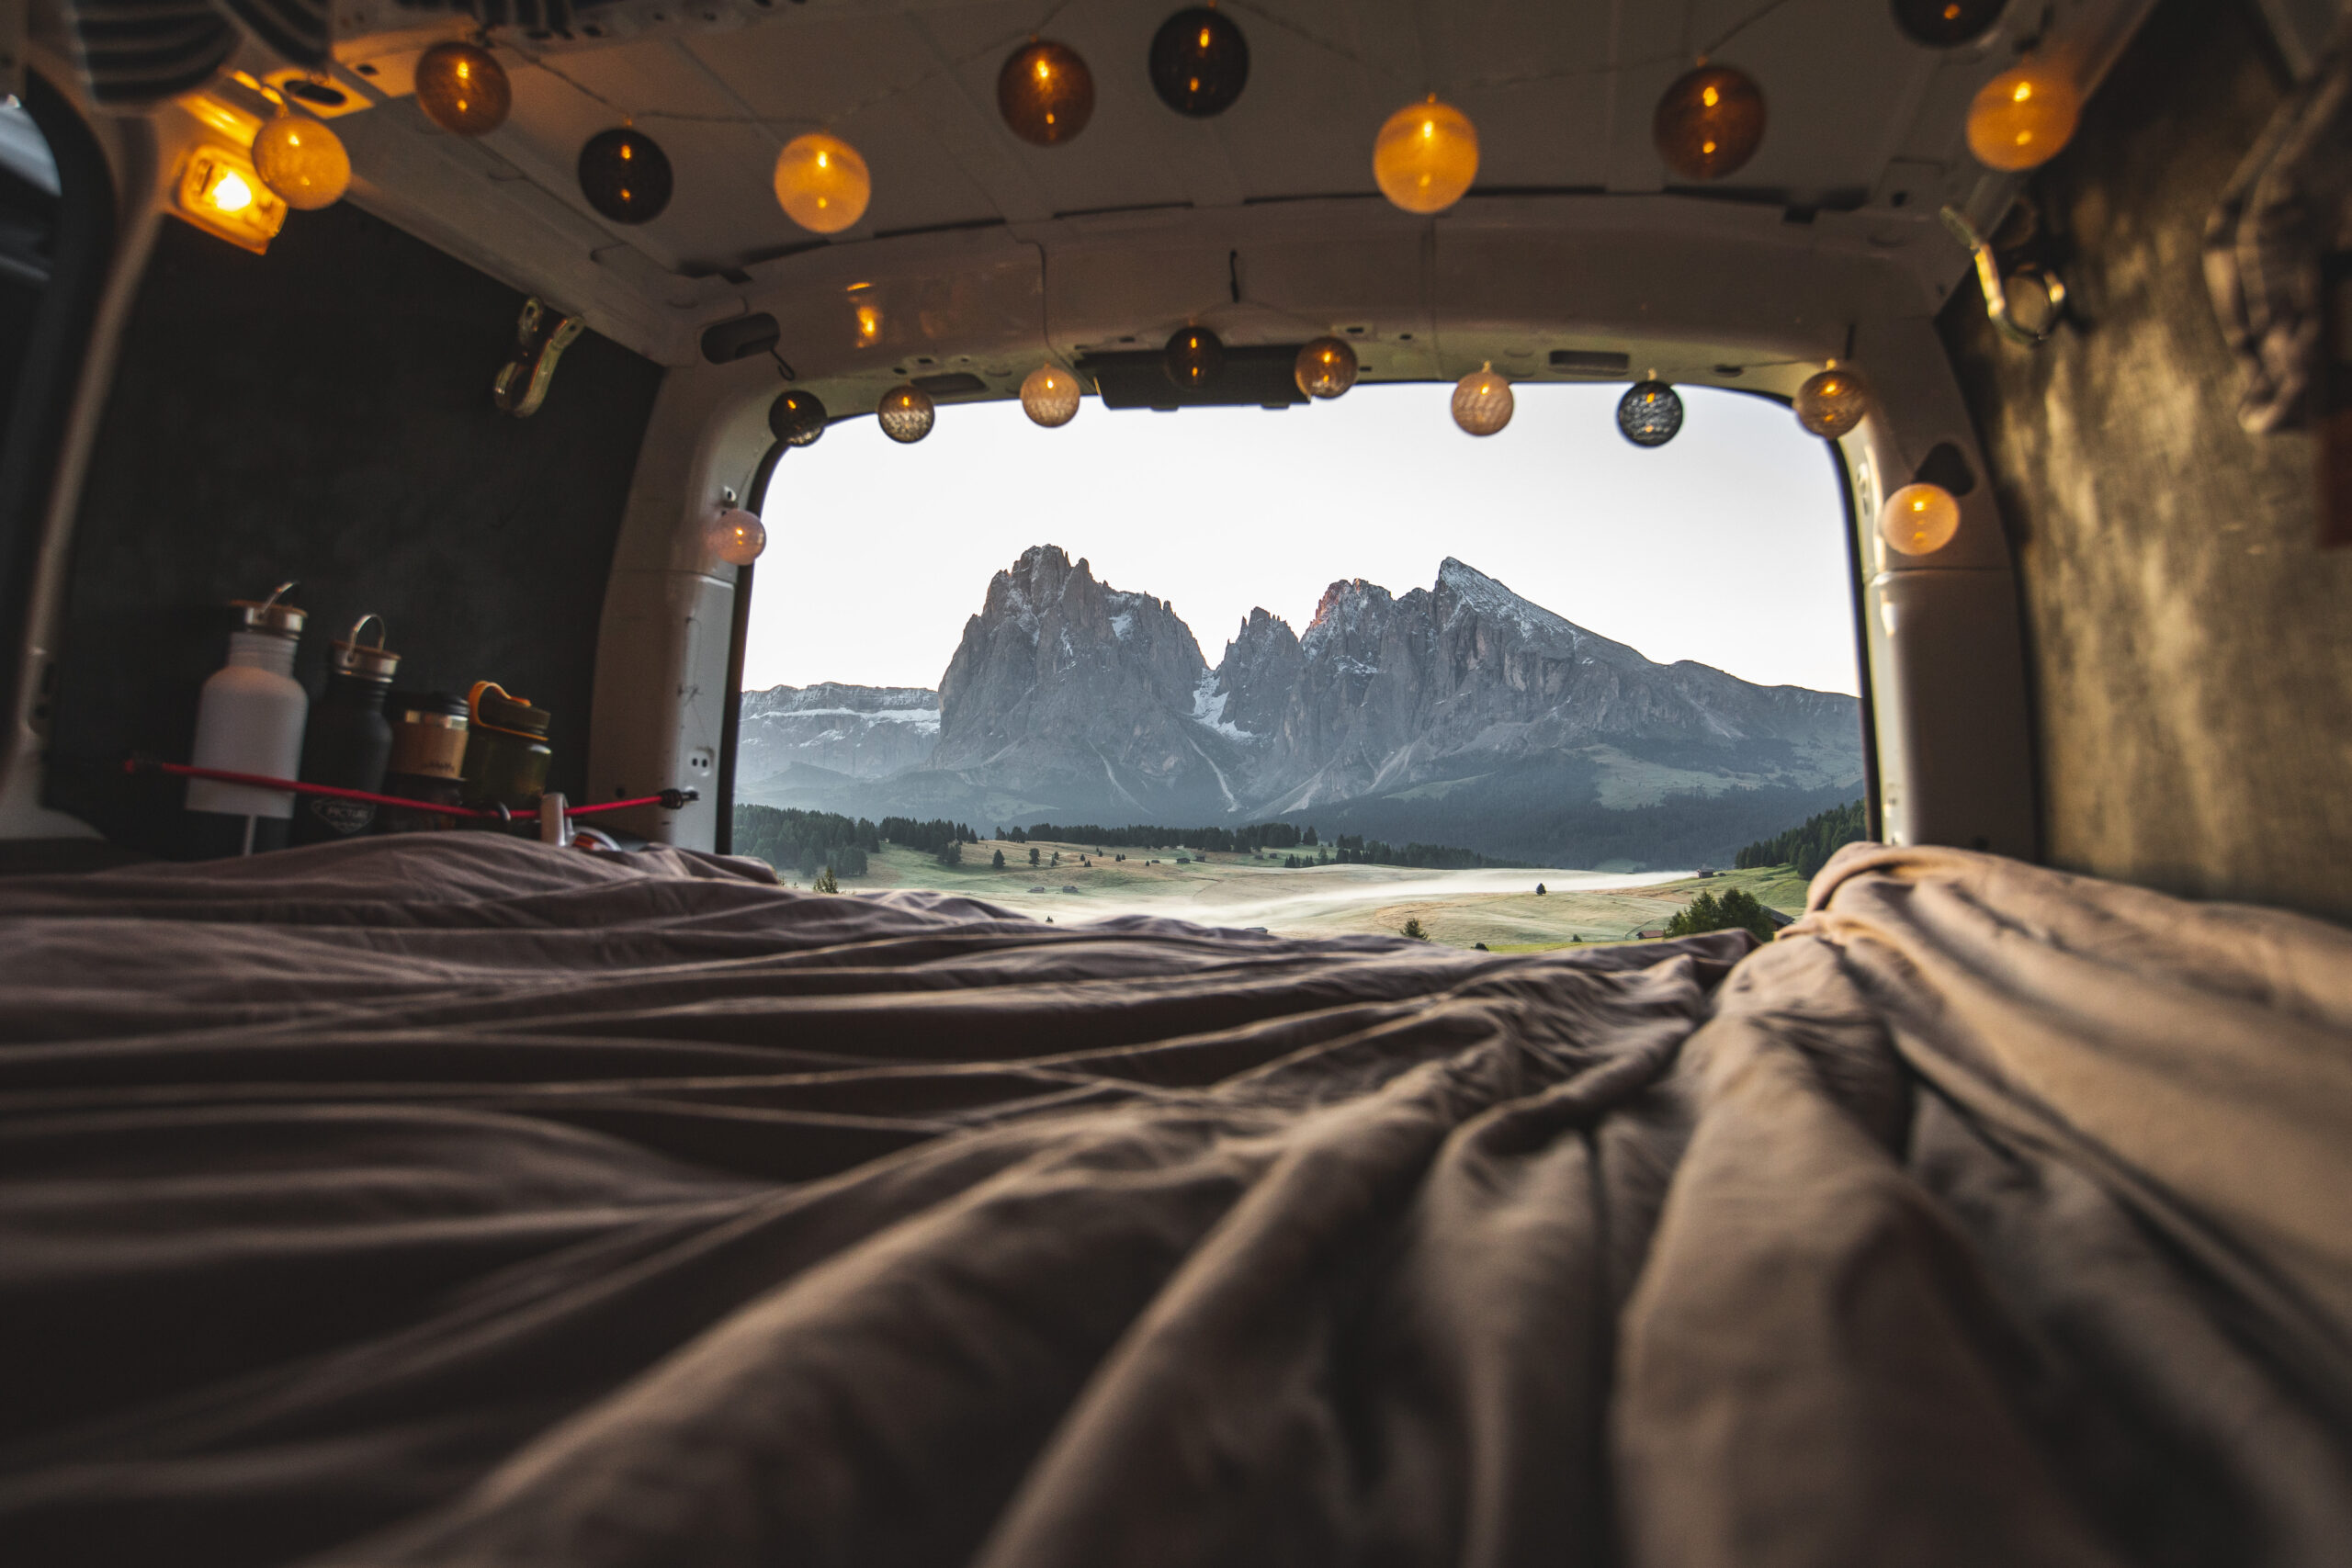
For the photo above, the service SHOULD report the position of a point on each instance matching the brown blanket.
(459, 1202)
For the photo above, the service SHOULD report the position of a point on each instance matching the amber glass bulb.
(1200, 63)
(1832, 401)
(1194, 357)
(625, 175)
(1325, 368)
(796, 418)
(1710, 122)
(1483, 402)
(1045, 94)
(1049, 396)
(821, 182)
(303, 161)
(462, 88)
(1943, 24)
(1426, 156)
(737, 536)
(1919, 518)
(905, 414)
(2021, 117)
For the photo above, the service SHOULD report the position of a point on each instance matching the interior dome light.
(821, 182)
(1045, 93)
(1919, 518)
(905, 414)
(1832, 400)
(1426, 156)
(738, 536)
(1049, 396)
(222, 193)
(2021, 117)
(463, 89)
(1200, 63)
(1325, 368)
(301, 160)
(625, 175)
(1710, 122)
(1483, 401)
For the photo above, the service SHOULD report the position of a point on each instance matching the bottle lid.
(270, 615)
(426, 707)
(368, 661)
(493, 709)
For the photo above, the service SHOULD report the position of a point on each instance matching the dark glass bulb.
(1045, 94)
(796, 418)
(1200, 63)
(1649, 413)
(1710, 122)
(1194, 357)
(625, 175)
(1945, 24)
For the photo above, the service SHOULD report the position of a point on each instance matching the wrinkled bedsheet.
(456, 1201)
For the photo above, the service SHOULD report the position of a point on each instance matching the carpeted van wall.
(2191, 644)
(323, 413)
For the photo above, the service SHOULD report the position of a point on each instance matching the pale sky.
(1725, 546)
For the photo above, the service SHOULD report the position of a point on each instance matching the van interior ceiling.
(497, 1073)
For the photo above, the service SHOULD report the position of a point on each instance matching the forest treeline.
(807, 841)
(1258, 837)
(1809, 847)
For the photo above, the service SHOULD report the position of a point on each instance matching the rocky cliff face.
(859, 732)
(1418, 715)
(1064, 688)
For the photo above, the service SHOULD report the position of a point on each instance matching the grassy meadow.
(1459, 908)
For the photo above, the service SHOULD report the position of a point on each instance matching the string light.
(1200, 63)
(796, 418)
(905, 414)
(1710, 122)
(1426, 156)
(821, 182)
(625, 175)
(1832, 400)
(303, 162)
(2021, 117)
(1194, 357)
(1650, 413)
(1045, 93)
(462, 88)
(1324, 367)
(737, 536)
(1919, 518)
(1483, 401)
(1946, 24)
(1049, 396)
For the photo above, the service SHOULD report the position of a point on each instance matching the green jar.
(506, 749)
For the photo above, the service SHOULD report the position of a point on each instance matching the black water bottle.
(349, 739)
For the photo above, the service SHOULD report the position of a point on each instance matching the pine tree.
(998, 860)
(825, 884)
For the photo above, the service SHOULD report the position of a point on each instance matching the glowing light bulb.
(462, 88)
(1325, 368)
(1708, 123)
(1199, 62)
(1483, 402)
(821, 182)
(1049, 396)
(796, 418)
(737, 536)
(1045, 94)
(230, 193)
(1919, 518)
(905, 414)
(1833, 401)
(301, 160)
(1194, 357)
(2023, 116)
(1425, 156)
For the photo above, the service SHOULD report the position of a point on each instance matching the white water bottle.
(249, 720)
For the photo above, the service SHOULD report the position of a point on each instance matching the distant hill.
(1460, 713)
